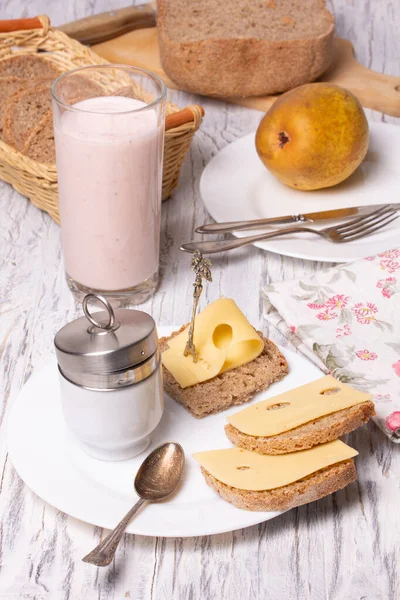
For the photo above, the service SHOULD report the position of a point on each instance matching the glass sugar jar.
(111, 380)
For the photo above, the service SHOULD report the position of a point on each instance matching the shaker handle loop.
(108, 307)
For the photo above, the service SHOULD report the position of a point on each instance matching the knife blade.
(312, 217)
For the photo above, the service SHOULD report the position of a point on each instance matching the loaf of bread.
(230, 388)
(244, 48)
(319, 431)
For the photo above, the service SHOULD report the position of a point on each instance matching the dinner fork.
(338, 234)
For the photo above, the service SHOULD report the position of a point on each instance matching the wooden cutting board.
(374, 90)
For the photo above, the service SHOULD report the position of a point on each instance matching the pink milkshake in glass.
(109, 134)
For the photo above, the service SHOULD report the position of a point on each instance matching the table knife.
(312, 217)
(108, 25)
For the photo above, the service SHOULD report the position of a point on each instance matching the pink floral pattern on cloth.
(346, 319)
(366, 355)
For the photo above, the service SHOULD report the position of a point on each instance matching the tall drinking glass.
(109, 136)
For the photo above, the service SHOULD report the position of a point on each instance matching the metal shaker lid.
(105, 342)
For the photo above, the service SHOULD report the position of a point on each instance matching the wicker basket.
(37, 181)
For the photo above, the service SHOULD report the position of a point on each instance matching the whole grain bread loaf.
(246, 48)
(315, 486)
(321, 430)
(230, 388)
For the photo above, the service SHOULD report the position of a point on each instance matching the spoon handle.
(103, 554)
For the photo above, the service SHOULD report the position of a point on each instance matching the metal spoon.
(158, 476)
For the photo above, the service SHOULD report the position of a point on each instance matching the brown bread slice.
(246, 48)
(32, 109)
(29, 67)
(230, 388)
(23, 112)
(315, 486)
(9, 85)
(40, 143)
(76, 87)
(319, 431)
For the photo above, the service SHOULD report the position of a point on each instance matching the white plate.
(51, 463)
(236, 186)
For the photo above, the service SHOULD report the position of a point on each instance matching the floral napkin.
(347, 321)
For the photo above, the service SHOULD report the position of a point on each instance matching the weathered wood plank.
(345, 546)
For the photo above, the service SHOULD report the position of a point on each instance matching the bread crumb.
(288, 21)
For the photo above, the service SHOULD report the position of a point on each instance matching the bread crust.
(39, 145)
(231, 388)
(9, 85)
(315, 486)
(28, 66)
(244, 66)
(319, 431)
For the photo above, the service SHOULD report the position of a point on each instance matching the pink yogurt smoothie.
(109, 176)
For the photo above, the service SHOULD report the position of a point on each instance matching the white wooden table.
(344, 547)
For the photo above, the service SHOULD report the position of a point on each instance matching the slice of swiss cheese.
(296, 407)
(251, 471)
(224, 340)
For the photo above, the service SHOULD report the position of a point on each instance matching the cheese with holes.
(251, 471)
(297, 407)
(224, 340)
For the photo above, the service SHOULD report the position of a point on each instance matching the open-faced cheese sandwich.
(235, 361)
(315, 413)
(261, 482)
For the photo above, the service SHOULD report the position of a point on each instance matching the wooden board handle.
(374, 90)
(186, 115)
(7, 26)
(105, 26)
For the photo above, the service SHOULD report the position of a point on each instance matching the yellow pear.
(313, 136)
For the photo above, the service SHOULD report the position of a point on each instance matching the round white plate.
(236, 186)
(52, 464)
